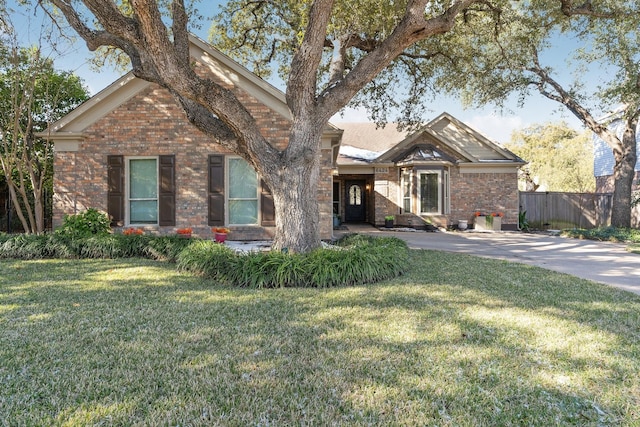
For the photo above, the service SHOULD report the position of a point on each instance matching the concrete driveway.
(603, 262)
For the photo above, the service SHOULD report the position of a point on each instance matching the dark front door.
(355, 210)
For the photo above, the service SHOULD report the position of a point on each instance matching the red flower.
(136, 231)
(187, 230)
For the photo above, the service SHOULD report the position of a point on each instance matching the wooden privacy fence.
(566, 210)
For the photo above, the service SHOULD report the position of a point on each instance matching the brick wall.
(470, 192)
(150, 124)
(386, 194)
(484, 192)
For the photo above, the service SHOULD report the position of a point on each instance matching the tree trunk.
(297, 211)
(17, 206)
(623, 175)
(294, 186)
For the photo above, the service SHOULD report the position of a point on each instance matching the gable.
(220, 67)
(444, 139)
(424, 153)
(467, 140)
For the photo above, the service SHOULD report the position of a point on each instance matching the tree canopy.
(559, 158)
(33, 94)
(507, 49)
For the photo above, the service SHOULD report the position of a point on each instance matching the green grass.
(457, 341)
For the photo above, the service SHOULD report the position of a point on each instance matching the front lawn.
(458, 341)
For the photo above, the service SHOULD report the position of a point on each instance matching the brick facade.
(469, 192)
(487, 193)
(152, 123)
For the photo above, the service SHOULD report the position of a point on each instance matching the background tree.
(32, 95)
(559, 158)
(330, 50)
(508, 54)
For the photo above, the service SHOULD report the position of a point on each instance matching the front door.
(355, 210)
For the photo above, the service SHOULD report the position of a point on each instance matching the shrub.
(33, 246)
(207, 258)
(356, 260)
(611, 234)
(88, 223)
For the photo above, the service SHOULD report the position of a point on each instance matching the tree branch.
(413, 27)
(585, 9)
(302, 79)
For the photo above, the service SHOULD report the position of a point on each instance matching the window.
(243, 192)
(142, 191)
(429, 192)
(406, 190)
(355, 195)
(336, 198)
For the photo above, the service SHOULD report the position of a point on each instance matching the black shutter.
(267, 208)
(115, 191)
(167, 191)
(216, 190)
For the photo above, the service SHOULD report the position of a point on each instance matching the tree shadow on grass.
(132, 341)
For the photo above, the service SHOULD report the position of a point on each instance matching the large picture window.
(429, 194)
(243, 193)
(142, 195)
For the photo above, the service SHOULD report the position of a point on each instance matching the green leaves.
(355, 261)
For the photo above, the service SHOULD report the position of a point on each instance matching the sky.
(489, 120)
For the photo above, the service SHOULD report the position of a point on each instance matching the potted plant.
(185, 232)
(220, 234)
(388, 221)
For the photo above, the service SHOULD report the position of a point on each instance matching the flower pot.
(388, 223)
(463, 224)
(220, 237)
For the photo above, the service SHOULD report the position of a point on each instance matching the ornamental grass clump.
(355, 260)
(34, 246)
(104, 246)
(206, 258)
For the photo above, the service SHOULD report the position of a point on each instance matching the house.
(437, 176)
(131, 152)
(604, 161)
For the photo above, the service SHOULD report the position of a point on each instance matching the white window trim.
(439, 175)
(127, 184)
(446, 188)
(408, 172)
(227, 181)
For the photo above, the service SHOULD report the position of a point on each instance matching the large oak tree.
(337, 48)
(509, 51)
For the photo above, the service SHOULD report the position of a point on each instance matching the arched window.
(355, 195)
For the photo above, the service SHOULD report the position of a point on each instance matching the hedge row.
(355, 259)
(31, 246)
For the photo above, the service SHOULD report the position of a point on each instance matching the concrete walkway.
(602, 262)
